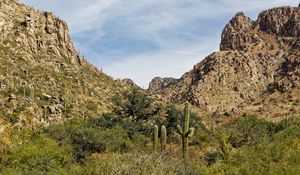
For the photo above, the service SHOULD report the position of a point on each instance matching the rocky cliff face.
(36, 31)
(43, 80)
(256, 70)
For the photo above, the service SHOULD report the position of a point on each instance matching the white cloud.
(165, 63)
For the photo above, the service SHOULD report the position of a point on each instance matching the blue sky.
(141, 39)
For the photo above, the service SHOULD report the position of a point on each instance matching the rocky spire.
(236, 33)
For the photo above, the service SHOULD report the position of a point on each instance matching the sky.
(142, 39)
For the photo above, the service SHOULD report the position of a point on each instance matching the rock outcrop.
(35, 31)
(280, 21)
(238, 33)
(129, 82)
(158, 84)
(256, 70)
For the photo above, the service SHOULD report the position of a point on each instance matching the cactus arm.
(190, 133)
(179, 129)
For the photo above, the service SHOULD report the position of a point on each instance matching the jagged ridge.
(256, 71)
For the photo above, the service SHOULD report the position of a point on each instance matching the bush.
(251, 130)
(86, 139)
(213, 157)
(140, 141)
(271, 88)
(136, 104)
(279, 155)
(42, 155)
(202, 138)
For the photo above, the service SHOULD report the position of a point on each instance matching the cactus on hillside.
(163, 137)
(185, 131)
(155, 138)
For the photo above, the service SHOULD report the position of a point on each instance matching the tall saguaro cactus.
(185, 131)
(163, 137)
(155, 138)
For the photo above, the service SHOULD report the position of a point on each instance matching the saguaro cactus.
(163, 137)
(185, 131)
(155, 138)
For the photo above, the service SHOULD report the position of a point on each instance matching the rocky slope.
(256, 70)
(43, 79)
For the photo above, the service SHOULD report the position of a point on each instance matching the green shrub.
(140, 141)
(251, 130)
(136, 104)
(271, 88)
(213, 157)
(40, 156)
(86, 139)
(279, 155)
(288, 122)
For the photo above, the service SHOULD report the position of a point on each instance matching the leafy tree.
(136, 104)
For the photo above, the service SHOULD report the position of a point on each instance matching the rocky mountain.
(129, 82)
(158, 84)
(43, 79)
(256, 70)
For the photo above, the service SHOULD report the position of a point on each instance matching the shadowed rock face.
(257, 67)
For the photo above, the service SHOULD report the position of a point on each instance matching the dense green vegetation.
(268, 149)
(120, 142)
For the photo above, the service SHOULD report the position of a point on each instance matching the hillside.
(43, 79)
(60, 115)
(256, 70)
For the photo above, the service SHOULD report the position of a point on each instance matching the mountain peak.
(258, 59)
(235, 34)
(241, 32)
